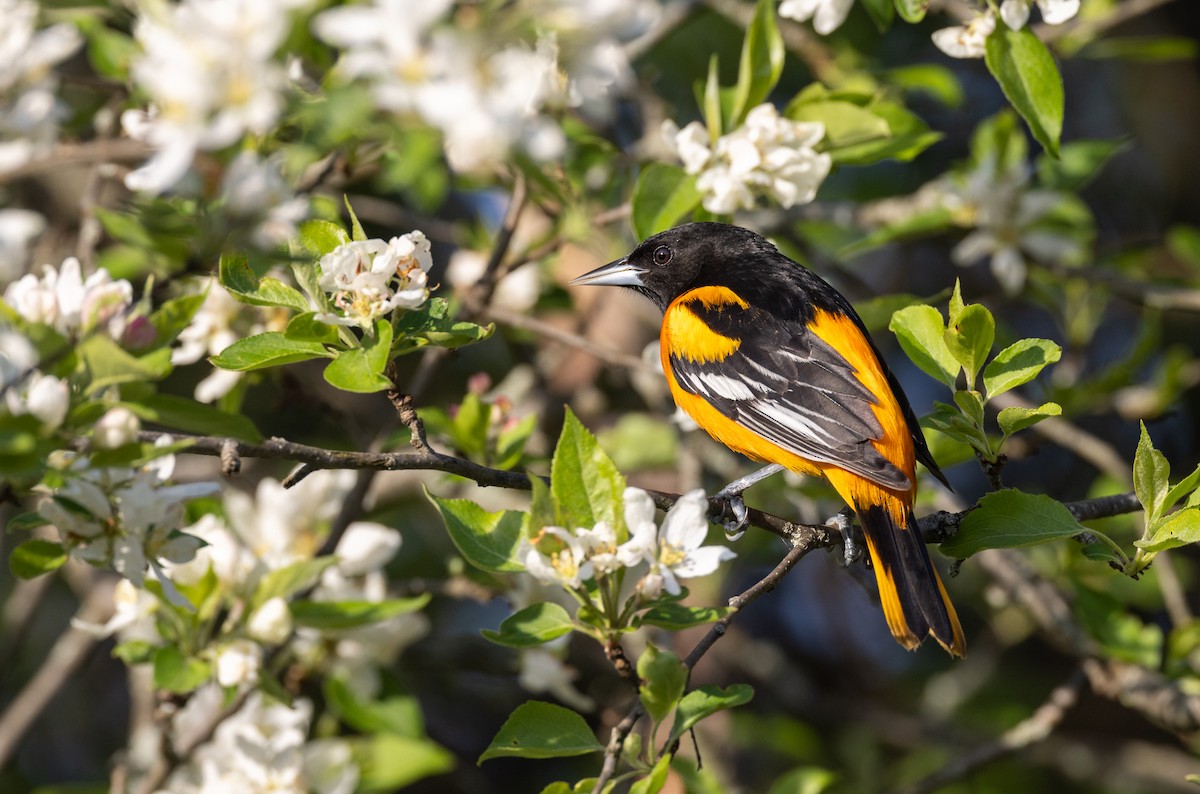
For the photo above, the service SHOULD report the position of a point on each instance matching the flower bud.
(366, 547)
(116, 428)
(238, 663)
(271, 623)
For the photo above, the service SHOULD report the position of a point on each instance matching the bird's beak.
(614, 274)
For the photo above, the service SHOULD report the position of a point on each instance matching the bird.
(774, 363)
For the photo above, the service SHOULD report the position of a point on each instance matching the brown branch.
(1036, 728)
(1120, 14)
(1073, 438)
(79, 155)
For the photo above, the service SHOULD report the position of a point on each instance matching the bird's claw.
(851, 551)
(735, 526)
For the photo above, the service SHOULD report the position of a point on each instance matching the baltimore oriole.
(774, 363)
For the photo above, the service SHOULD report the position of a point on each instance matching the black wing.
(793, 389)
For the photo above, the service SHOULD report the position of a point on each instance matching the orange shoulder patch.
(685, 335)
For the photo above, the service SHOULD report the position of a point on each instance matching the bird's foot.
(851, 551)
(731, 512)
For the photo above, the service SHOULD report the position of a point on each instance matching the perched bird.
(774, 363)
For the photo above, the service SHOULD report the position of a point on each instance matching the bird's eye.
(662, 255)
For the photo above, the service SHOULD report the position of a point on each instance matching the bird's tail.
(915, 602)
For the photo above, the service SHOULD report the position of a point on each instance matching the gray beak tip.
(615, 274)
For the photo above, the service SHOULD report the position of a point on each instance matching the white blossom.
(366, 546)
(43, 396)
(209, 69)
(271, 623)
(219, 322)
(543, 670)
(261, 748)
(966, 41)
(132, 607)
(118, 426)
(768, 155)
(1015, 13)
(127, 519)
(18, 229)
(17, 357)
(517, 290)
(29, 109)
(255, 192)
(238, 663)
(1010, 223)
(675, 551)
(556, 556)
(63, 299)
(600, 546)
(369, 279)
(826, 15)
(485, 94)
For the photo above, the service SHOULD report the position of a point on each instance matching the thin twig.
(739, 602)
(1120, 14)
(78, 155)
(1032, 730)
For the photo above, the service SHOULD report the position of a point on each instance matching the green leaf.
(133, 652)
(173, 316)
(25, 522)
(586, 486)
(542, 730)
(360, 369)
(307, 328)
(663, 194)
(356, 229)
(663, 679)
(111, 52)
(912, 11)
(1011, 519)
(182, 413)
(236, 275)
(949, 420)
(291, 579)
(845, 123)
(675, 616)
(333, 615)
(388, 763)
(711, 104)
(319, 237)
(909, 136)
(1018, 364)
(1151, 477)
(653, 783)
(1178, 491)
(1148, 49)
(761, 62)
(486, 540)
(921, 332)
(804, 780)
(1014, 419)
(108, 365)
(270, 349)
(969, 338)
(393, 710)
(706, 701)
(532, 626)
(1026, 72)
(36, 557)
(882, 12)
(936, 81)
(1173, 530)
(970, 402)
(175, 672)
(1077, 163)
(1121, 634)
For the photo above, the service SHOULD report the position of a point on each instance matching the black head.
(694, 255)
